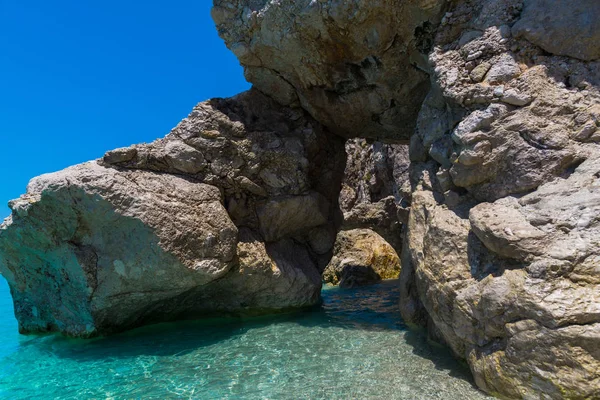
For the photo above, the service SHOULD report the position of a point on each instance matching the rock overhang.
(358, 67)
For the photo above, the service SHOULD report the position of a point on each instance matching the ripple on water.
(354, 346)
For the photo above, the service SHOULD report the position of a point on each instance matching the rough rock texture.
(361, 257)
(500, 100)
(236, 210)
(373, 172)
(566, 28)
(376, 189)
(500, 256)
(357, 66)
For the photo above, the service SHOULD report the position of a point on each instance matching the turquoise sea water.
(354, 347)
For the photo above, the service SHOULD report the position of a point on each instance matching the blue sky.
(78, 78)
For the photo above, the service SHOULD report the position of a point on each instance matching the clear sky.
(78, 78)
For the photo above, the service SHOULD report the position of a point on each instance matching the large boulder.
(361, 257)
(235, 211)
(356, 66)
(513, 286)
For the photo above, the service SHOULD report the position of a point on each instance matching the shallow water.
(354, 347)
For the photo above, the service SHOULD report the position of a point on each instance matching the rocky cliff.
(500, 101)
(237, 209)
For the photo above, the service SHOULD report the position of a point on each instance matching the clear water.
(354, 347)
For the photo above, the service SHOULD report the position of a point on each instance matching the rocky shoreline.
(495, 213)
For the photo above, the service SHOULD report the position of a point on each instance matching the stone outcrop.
(500, 103)
(500, 257)
(496, 261)
(361, 257)
(376, 189)
(235, 211)
(357, 66)
(565, 28)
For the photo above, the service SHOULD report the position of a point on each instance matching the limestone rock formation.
(361, 257)
(500, 252)
(238, 208)
(373, 192)
(235, 210)
(566, 28)
(357, 66)
(376, 189)
(496, 262)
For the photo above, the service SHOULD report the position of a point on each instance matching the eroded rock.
(361, 257)
(566, 28)
(497, 259)
(91, 249)
(218, 217)
(358, 67)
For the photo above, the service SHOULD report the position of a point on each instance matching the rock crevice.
(237, 209)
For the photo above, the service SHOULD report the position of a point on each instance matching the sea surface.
(353, 347)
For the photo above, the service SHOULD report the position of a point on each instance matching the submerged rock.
(219, 216)
(361, 257)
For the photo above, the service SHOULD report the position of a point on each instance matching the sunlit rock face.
(500, 255)
(359, 67)
(361, 257)
(235, 211)
(500, 100)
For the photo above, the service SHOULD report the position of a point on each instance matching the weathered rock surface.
(356, 66)
(236, 210)
(361, 257)
(374, 171)
(566, 28)
(500, 100)
(512, 286)
(374, 197)
(500, 255)
(376, 190)
(507, 132)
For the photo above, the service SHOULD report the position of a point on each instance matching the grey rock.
(567, 28)
(515, 98)
(90, 249)
(358, 67)
(384, 217)
(498, 263)
(372, 195)
(181, 227)
(373, 172)
(123, 154)
(279, 218)
(503, 70)
(183, 157)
